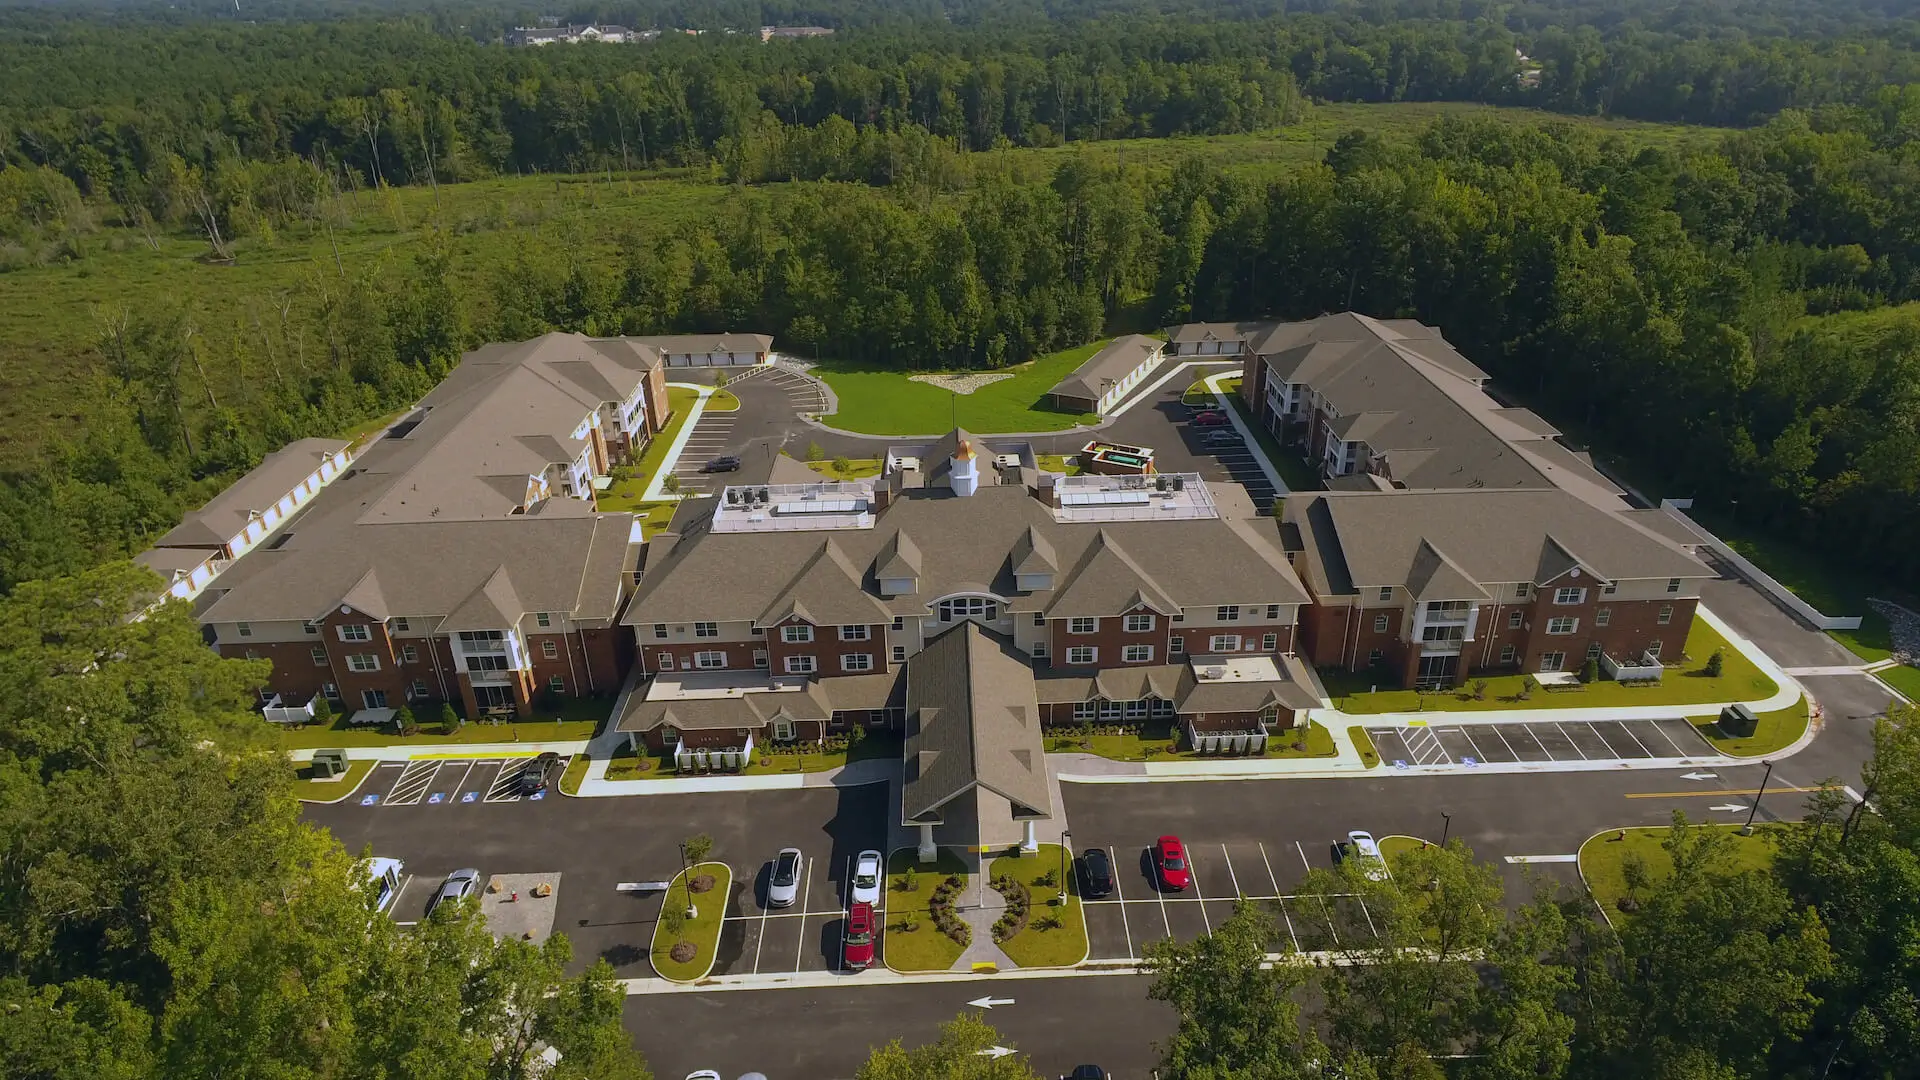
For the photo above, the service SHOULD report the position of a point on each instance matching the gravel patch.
(1905, 627)
(961, 384)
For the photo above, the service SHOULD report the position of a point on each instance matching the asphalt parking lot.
(1179, 445)
(447, 782)
(599, 843)
(1501, 743)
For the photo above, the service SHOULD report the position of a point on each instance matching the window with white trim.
(660, 631)
(1039, 618)
(1569, 594)
(1040, 647)
(1085, 710)
(1176, 646)
(856, 632)
(1112, 710)
(252, 655)
(418, 689)
(1162, 707)
(969, 607)
(1083, 626)
(309, 627)
(549, 651)
(1653, 648)
(1553, 661)
(1609, 588)
(1082, 654)
(542, 619)
(800, 665)
(1508, 654)
(1386, 592)
(486, 663)
(663, 662)
(557, 684)
(1269, 642)
(319, 657)
(400, 624)
(900, 652)
(1522, 589)
(706, 629)
(245, 630)
(1223, 643)
(1139, 624)
(796, 634)
(783, 730)
(1136, 654)
(1593, 650)
(759, 658)
(1380, 624)
(1562, 624)
(348, 632)
(1273, 611)
(669, 733)
(411, 655)
(363, 662)
(1136, 710)
(899, 622)
(1514, 619)
(1665, 616)
(858, 661)
(1227, 613)
(330, 691)
(1673, 584)
(709, 659)
(1603, 616)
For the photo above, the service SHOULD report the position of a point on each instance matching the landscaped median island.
(1363, 742)
(888, 402)
(315, 790)
(1158, 740)
(1621, 864)
(1684, 683)
(1776, 730)
(772, 759)
(1037, 931)
(435, 732)
(914, 939)
(1392, 847)
(630, 481)
(683, 946)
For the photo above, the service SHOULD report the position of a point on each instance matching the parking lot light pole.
(1446, 824)
(1747, 829)
(1066, 844)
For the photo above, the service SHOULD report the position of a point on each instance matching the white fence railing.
(1760, 579)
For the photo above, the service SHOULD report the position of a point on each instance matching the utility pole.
(1747, 829)
(1066, 846)
(1446, 824)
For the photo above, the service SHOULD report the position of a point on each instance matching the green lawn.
(767, 761)
(855, 468)
(1293, 469)
(1904, 678)
(540, 729)
(703, 929)
(877, 402)
(1813, 577)
(1685, 684)
(1059, 463)
(1392, 847)
(326, 791)
(626, 765)
(1602, 858)
(924, 948)
(576, 772)
(625, 493)
(1774, 731)
(1062, 946)
(1364, 743)
(1156, 741)
(723, 401)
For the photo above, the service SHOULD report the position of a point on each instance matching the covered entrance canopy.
(973, 730)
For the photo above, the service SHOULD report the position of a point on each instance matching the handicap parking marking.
(437, 798)
(369, 800)
(469, 796)
(411, 786)
(537, 796)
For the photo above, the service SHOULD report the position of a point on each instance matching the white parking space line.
(1570, 742)
(1160, 894)
(1477, 752)
(1504, 742)
(506, 782)
(453, 790)
(1236, 877)
(1281, 904)
(1627, 727)
(1193, 875)
(1125, 926)
(1595, 732)
(1662, 729)
(411, 786)
(806, 891)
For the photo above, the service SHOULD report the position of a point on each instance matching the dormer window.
(968, 607)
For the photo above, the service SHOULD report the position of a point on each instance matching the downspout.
(572, 672)
(586, 658)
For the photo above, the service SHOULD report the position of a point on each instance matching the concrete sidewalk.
(870, 771)
(1259, 452)
(654, 492)
(420, 752)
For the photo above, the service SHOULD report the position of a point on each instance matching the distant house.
(768, 33)
(711, 350)
(1108, 375)
(573, 35)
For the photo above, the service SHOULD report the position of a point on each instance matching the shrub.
(670, 484)
(1048, 879)
(1590, 672)
(1715, 664)
(673, 919)
(955, 881)
(856, 734)
(1527, 686)
(449, 718)
(699, 846)
(842, 466)
(910, 881)
(814, 453)
(404, 723)
(1479, 689)
(322, 710)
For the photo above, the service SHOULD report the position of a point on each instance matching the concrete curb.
(672, 457)
(418, 752)
(347, 794)
(713, 953)
(1280, 489)
(854, 775)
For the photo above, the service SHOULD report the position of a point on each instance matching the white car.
(1366, 854)
(783, 882)
(703, 1074)
(866, 878)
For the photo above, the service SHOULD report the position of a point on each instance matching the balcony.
(491, 678)
(1448, 612)
(480, 648)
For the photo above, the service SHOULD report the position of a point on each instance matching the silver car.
(459, 885)
(783, 885)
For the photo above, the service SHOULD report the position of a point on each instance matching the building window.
(1609, 588)
(1386, 592)
(1273, 611)
(401, 626)
(1522, 589)
(1508, 654)
(660, 631)
(1269, 716)
(319, 657)
(968, 607)
(1563, 624)
(1176, 646)
(900, 652)
(1082, 654)
(1553, 661)
(363, 662)
(1085, 710)
(1653, 648)
(245, 630)
(1083, 626)
(1227, 613)
(411, 655)
(706, 629)
(709, 660)
(486, 663)
(1162, 707)
(1136, 654)
(1570, 595)
(669, 733)
(330, 691)
(1039, 647)
(1269, 642)
(1039, 618)
(899, 622)
(1136, 710)
(860, 632)
(759, 658)
(418, 689)
(858, 661)
(1375, 656)
(664, 662)
(1665, 616)
(373, 699)
(1380, 624)
(1223, 643)
(1514, 618)
(1603, 616)
(1112, 710)
(800, 665)
(1139, 624)
(783, 730)
(354, 632)
(1673, 584)
(541, 618)
(797, 634)
(251, 655)
(1178, 616)
(310, 627)
(1593, 650)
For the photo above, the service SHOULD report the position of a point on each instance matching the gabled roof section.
(899, 557)
(1092, 379)
(1033, 554)
(1108, 580)
(1556, 561)
(973, 721)
(493, 606)
(227, 513)
(1433, 576)
(367, 598)
(826, 592)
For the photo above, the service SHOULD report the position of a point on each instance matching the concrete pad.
(513, 911)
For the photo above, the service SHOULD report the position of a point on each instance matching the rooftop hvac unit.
(1179, 483)
(1216, 673)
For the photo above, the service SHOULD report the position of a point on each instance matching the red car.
(1211, 419)
(857, 944)
(1170, 859)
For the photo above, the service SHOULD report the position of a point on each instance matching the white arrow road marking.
(989, 1002)
(1699, 776)
(1542, 858)
(1728, 806)
(993, 1052)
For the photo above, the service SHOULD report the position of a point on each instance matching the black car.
(1086, 1072)
(724, 463)
(539, 773)
(1096, 873)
